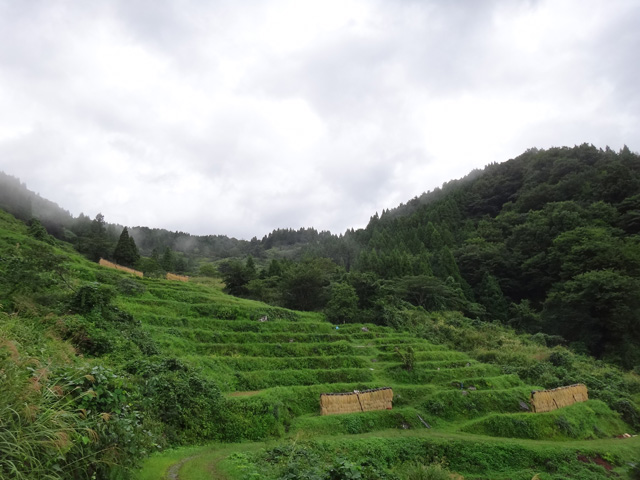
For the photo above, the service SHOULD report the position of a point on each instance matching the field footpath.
(208, 463)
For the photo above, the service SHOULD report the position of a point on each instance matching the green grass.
(157, 466)
(291, 359)
(294, 357)
(477, 457)
(589, 420)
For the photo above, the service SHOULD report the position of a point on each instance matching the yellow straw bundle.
(365, 401)
(108, 264)
(180, 278)
(548, 400)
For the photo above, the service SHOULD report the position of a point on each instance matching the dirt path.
(206, 464)
(172, 473)
(211, 466)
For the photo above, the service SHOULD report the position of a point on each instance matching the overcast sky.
(236, 118)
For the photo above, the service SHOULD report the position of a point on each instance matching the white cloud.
(238, 118)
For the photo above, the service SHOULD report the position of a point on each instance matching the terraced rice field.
(275, 371)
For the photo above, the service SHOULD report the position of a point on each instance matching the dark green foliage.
(304, 284)
(126, 252)
(490, 295)
(237, 275)
(524, 318)
(30, 268)
(367, 287)
(343, 304)
(407, 357)
(130, 287)
(629, 412)
(101, 328)
(189, 405)
(605, 305)
(208, 270)
(519, 236)
(92, 297)
(168, 260)
(345, 470)
(96, 243)
(37, 231)
(430, 293)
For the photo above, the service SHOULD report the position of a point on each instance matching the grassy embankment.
(276, 371)
(69, 415)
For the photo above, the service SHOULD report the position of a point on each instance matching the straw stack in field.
(180, 278)
(367, 400)
(548, 400)
(333, 403)
(377, 399)
(108, 264)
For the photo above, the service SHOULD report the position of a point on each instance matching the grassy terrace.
(274, 372)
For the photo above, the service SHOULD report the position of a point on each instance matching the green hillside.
(102, 368)
(272, 374)
(544, 242)
(462, 301)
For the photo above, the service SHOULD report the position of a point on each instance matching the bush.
(68, 422)
(209, 270)
(629, 412)
(419, 471)
(92, 296)
(131, 287)
(189, 405)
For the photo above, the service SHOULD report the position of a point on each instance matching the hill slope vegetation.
(519, 277)
(101, 368)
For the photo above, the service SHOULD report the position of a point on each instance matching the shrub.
(419, 471)
(189, 405)
(628, 411)
(131, 287)
(92, 296)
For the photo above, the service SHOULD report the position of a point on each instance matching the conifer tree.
(126, 252)
(97, 243)
(168, 260)
(490, 295)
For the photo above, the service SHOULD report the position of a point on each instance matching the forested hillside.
(546, 242)
(100, 368)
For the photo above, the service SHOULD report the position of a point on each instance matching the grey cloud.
(616, 61)
(211, 128)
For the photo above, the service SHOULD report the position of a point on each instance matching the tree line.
(545, 242)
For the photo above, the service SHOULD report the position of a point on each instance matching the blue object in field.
(337, 328)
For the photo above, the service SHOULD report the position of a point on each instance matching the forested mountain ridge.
(25, 204)
(547, 241)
